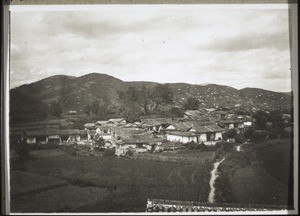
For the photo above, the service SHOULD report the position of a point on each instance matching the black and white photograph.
(151, 109)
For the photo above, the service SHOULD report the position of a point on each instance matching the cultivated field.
(259, 175)
(106, 184)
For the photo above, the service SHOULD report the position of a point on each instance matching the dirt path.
(214, 176)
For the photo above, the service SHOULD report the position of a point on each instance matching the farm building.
(233, 123)
(73, 135)
(181, 136)
(180, 126)
(135, 140)
(43, 136)
(208, 134)
(157, 124)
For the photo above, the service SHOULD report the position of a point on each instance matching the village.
(203, 126)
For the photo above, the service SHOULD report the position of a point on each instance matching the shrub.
(129, 153)
(249, 132)
(240, 138)
(192, 145)
(109, 151)
(226, 146)
(229, 134)
(259, 136)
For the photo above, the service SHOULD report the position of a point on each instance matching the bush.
(192, 145)
(230, 134)
(249, 132)
(240, 138)
(226, 146)
(129, 153)
(109, 151)
(259, 136)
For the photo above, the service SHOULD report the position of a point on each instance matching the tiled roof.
(231, 121)
(48, 132)
(101, 122)
(89, 125)
(182, 126)
(206, 128)
(157, 205)
(180, 133)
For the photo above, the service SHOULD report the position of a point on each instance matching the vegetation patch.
(258, 175)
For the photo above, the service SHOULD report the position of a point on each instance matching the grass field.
(120, 184)
(259, 175)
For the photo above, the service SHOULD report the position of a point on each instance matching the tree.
(99, 141)
(163, 94)
(249, 132)
(21, 153)
(131, 113)
(146, 98)
(276, 118)
(192, 103)
(229, 134)
(260, 120)
(174, 112)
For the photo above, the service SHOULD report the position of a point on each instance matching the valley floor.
(55, 181)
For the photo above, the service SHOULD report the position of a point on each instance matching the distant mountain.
(74, 93)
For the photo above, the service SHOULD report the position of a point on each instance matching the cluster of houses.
(205, 126)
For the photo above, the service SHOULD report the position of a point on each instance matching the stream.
(214, 176)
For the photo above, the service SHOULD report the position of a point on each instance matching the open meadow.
(59, 182)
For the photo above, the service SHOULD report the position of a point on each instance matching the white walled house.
(233, 123)
(180, 126)
(209, 134)
(183, 137)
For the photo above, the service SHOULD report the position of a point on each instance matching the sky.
(234, 47)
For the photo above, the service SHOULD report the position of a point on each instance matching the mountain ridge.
(75, 93)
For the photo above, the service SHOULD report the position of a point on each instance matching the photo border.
(6, 6)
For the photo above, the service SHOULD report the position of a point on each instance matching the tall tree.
(192, 103)
(163, 94)
(261, 118)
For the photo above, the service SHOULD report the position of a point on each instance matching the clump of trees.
(103, 109)
(230, 134)
(191, 103)
(148, 99)
(19, 153)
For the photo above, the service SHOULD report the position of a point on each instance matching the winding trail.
(214, 176)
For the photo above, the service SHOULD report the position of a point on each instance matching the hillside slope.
(74, 93)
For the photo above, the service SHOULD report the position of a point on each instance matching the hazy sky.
(239, 48)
